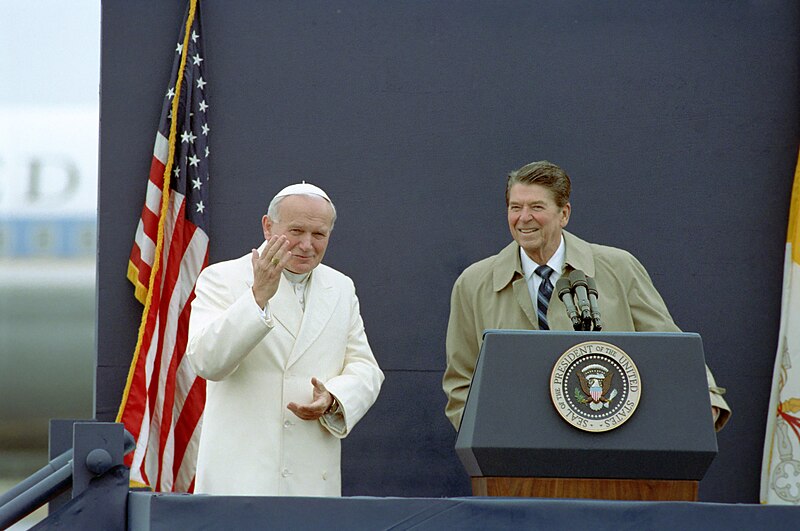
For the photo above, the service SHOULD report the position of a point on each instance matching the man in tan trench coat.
(500, 292)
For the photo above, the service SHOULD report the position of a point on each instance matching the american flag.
(163, 401)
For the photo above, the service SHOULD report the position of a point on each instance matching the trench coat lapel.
(320, 303)
(578, 255)
(523, 297)
(508, 270)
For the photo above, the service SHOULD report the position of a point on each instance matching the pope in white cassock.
(280, 339)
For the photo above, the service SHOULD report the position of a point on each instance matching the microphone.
(565, 294)
(594, 306)
(580, 288)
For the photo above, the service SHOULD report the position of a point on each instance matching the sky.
(49, 52)
(49, 100)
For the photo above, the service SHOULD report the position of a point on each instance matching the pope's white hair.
(273, 211)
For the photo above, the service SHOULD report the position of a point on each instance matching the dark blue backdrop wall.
(677, 121)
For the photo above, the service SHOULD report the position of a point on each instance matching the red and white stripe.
(165, 399)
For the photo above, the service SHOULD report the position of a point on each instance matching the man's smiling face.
(535, 220)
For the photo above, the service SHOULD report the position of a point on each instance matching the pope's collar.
(297, 278)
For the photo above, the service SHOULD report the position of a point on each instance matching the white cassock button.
(286, 424)
(285, 473)
(324, 475)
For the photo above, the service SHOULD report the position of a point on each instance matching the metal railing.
(50, 481)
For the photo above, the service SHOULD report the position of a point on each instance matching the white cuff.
(266, 315)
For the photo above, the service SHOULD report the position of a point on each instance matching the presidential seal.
(595, 386)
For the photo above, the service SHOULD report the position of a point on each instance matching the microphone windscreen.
(562, 286)
(577, 278)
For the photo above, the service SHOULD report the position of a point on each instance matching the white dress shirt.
(533, 280)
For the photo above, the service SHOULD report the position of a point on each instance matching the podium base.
(598, 489)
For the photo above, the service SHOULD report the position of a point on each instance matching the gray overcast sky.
(49, 52)
(49, 100)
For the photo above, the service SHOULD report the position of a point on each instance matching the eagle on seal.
(597, 385)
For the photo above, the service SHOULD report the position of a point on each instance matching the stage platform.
(148, 511)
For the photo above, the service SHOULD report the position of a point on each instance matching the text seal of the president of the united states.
(595, 386)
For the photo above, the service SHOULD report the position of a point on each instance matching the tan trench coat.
(492, 294)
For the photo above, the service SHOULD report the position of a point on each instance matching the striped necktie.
(543, 297)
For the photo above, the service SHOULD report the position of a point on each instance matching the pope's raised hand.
(267, 268)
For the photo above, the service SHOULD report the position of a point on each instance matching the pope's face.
(535, 220)
(306, 222)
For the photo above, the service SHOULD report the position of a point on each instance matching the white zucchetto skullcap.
(303, 188)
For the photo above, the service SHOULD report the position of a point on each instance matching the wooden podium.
(594, 488)
(513, 442)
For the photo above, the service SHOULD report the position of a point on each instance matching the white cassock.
(250, 443)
